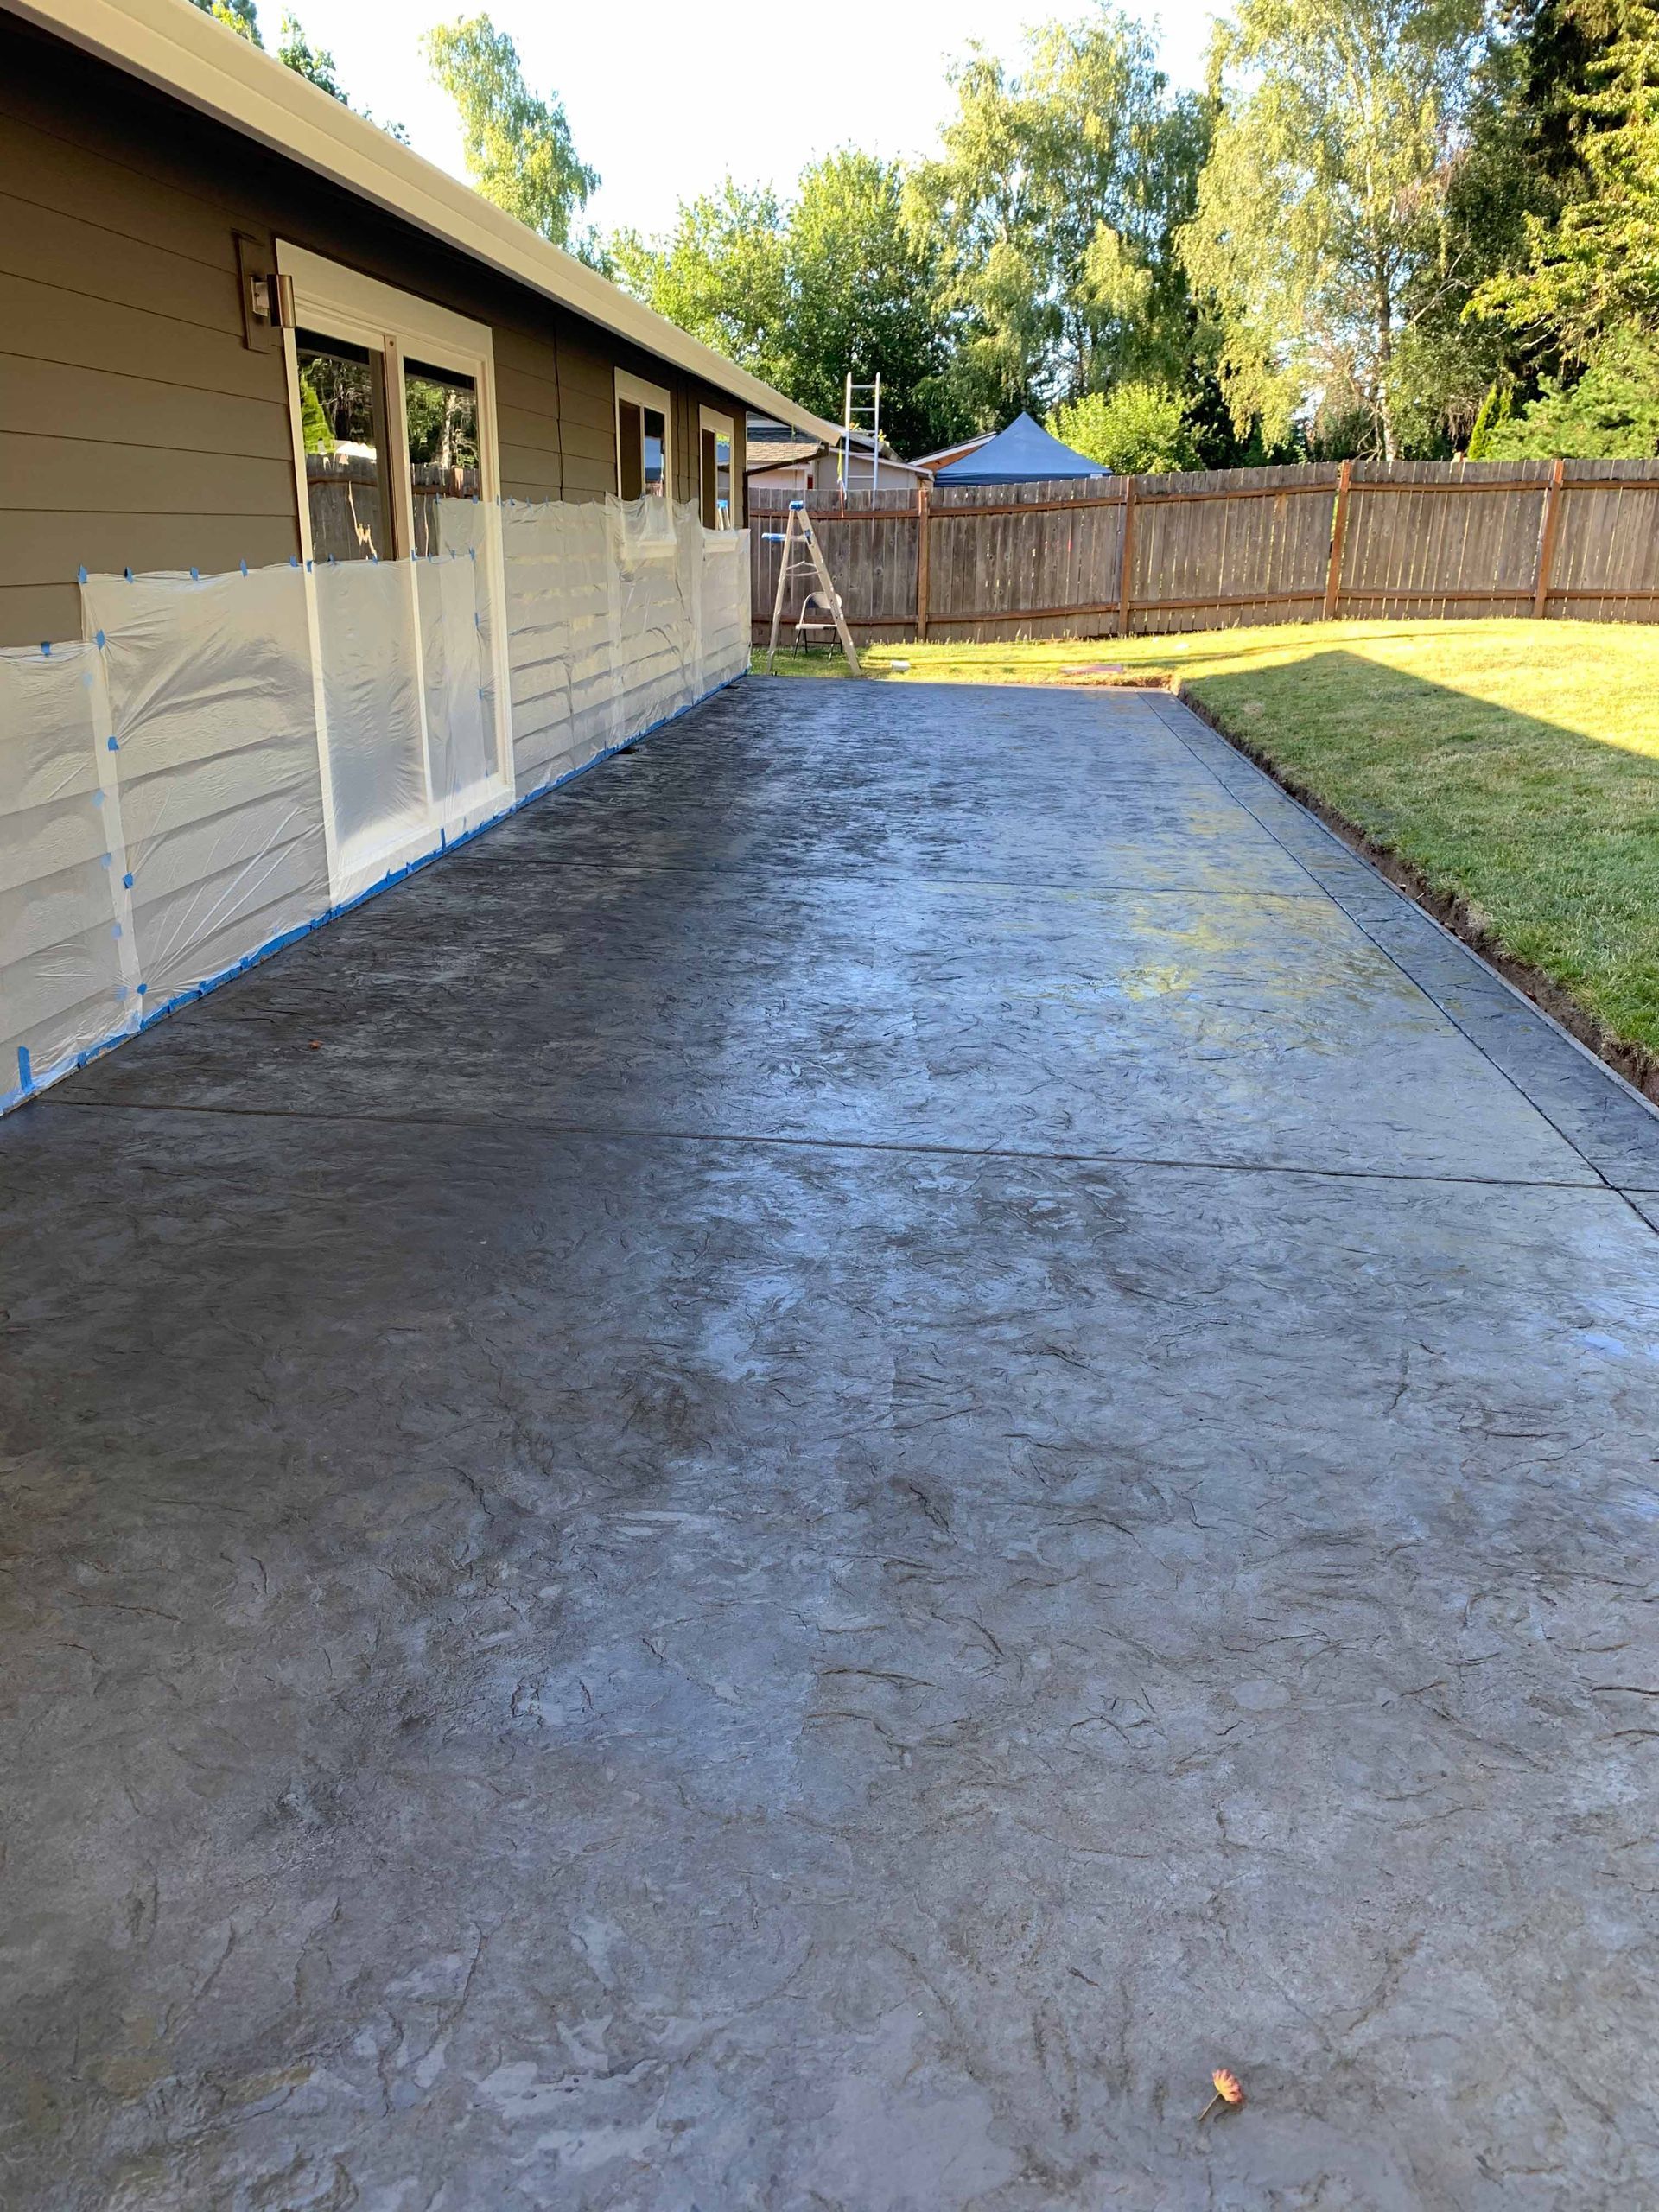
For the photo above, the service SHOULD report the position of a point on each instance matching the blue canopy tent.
(1023, 453)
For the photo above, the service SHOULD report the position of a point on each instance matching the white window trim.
(345, 304)
(710, 418)
(634, 388)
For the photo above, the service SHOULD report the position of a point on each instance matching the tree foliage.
(1321, 238)
(1052, 209)
(314, 63)
(1395, 226)
(239, 16)
(1137, 429)
(718, 274)
(835, 280)
(1610, 412)
(517, 146)
(1594, 270)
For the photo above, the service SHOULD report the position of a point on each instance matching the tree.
(1610, 412)
(314, 63)
(1052, 209)
(239, 16)
(1594, 271)
(1320, 238)
(295, 52)
(802, 292)
(860, 286)
(517, 146)
(1136, 428)
(720, 274)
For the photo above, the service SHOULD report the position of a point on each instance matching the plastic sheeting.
(619, 613)
(212, 718)
(461, 739)
(230, 758)
(372, 709)
(68, 976)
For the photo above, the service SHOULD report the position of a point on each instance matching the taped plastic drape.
(463, 745)
(365, 642)
(166, 814)
(609, 609)
(66, 976)
(213, 716)
(560, 590)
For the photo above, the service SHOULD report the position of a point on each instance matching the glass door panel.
(343, 421)
(441, 427)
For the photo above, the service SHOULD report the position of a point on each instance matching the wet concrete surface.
(917, 1421)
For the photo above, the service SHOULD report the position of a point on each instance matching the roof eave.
(185, 53)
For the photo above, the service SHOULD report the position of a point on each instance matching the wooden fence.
(1146, 554)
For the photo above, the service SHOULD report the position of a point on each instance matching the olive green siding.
(138, 429)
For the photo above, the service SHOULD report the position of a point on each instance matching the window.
(394, 447)
(391, 397)
(717, 444)
(343, 424)
(441, 427)
(643, 449)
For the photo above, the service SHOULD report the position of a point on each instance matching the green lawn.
(1515, 764)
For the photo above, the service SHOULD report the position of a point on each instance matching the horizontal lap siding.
(137, 428)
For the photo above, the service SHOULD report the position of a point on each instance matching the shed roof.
(1023, 453)
(183, 51)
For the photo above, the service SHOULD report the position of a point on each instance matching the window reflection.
(441, 421)
(641, 450)
(343, 419)
(717, 479)
(656, 453)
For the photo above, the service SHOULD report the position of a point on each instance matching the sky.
(665, 106)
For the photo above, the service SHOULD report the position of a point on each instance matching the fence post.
(1338, 531)
(1126, 575)
(922, 536)
(1546, 537)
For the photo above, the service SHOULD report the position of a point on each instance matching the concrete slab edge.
(1633, 1066)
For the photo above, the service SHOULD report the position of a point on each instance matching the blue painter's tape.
(294, 561)
(127, 879)
(99, 641)
(245, 568)
(195, 576)
(25, 1072)
(80, 573)
(127, 573)
(115, 745)
(46, 648)
(446, 844)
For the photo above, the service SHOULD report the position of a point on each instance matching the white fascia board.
(184, 52)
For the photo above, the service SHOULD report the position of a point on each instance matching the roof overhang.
(184, 52)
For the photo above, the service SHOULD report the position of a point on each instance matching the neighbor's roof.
(942, 455)
(779, 453)
(1023, 453)
(176, 47)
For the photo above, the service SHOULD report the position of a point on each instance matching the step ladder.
(796, 538)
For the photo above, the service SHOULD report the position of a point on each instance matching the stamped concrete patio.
(789, 1489)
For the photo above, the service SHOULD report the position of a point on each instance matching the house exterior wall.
(139, 427)
(824, 475)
